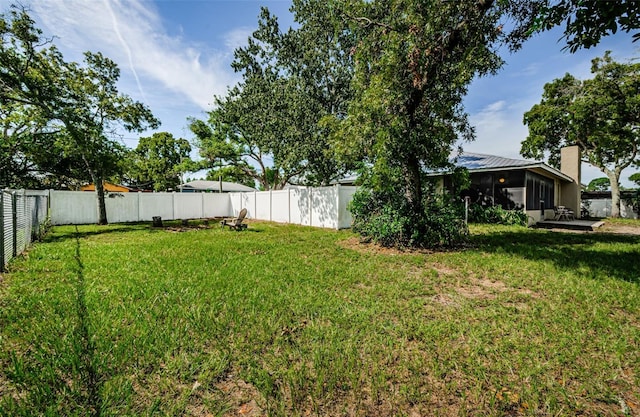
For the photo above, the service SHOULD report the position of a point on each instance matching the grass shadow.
(619, 259)
(59, 233)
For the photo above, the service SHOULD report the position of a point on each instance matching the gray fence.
(23, 216)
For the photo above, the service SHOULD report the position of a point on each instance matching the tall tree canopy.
(159, 161)
(587, 21)
(78, 107)
(291, 81)
(599, 184)
(600, 115)
(414, 62)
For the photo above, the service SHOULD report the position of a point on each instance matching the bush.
(496, 215)
(387, 219)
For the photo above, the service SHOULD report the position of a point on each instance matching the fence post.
(1, 231)
(310, 206)
(270, 205)
(289, 204)
(338, 211)
(173, 206)
(255, 205)
(202, 216)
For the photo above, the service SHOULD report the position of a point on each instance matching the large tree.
(81, 104)
(414, 62)
(159, 161)
(600, 115)
(272, 119)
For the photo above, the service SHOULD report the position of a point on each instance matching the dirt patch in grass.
(486, 289)
(619, 229)
(241, 397)
(354, 243)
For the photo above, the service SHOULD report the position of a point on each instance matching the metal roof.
(478, 162)
(481, 161)
(227, 187)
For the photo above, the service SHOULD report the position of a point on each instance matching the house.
(110, 187)
(200, 186)
(532, 186)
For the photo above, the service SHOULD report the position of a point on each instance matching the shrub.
(496, 215)
(387, 219)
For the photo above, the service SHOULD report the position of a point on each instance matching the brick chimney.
(570, 162)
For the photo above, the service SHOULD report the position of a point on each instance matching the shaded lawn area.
(284, 320)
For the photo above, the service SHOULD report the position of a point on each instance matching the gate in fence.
(23, 215)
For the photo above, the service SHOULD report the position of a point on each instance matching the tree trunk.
(413, 186)
(614, 178)
(102, 207)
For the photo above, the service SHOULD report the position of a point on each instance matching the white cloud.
(131, 33)
(237, 37)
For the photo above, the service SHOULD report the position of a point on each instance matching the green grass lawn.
(284, 320)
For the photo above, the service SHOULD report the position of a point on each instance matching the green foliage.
(634, 201)
(599, 184)
(271, 119)
(159, 161)
(635, 178)
(413, 68)
(71, 110)
(496, 215)
(587, 21)
(388, 220)
(232, 174)
(599, 115)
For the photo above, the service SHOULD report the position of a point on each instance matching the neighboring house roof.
(112, 188)
(227, 187)
(348, 180)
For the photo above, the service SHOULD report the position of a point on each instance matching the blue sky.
(175, 55)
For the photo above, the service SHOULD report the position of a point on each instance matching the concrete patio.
(578, 224)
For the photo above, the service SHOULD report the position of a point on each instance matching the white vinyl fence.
(320, 207)
(601, 207)
(23, 215)
(81, 207)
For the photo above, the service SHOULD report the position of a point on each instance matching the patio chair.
(237, 222)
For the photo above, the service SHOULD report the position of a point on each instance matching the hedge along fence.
(23, 218)
(320, 207)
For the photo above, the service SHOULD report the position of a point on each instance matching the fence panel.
(73, 207)
(263, 205)
(280, 208)
(324, 207)
(187, 206)
(299, 205)
(216, 205)
(155, 204)
(122, 207)
(6, 252)
(344, 215)
(22, 216)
